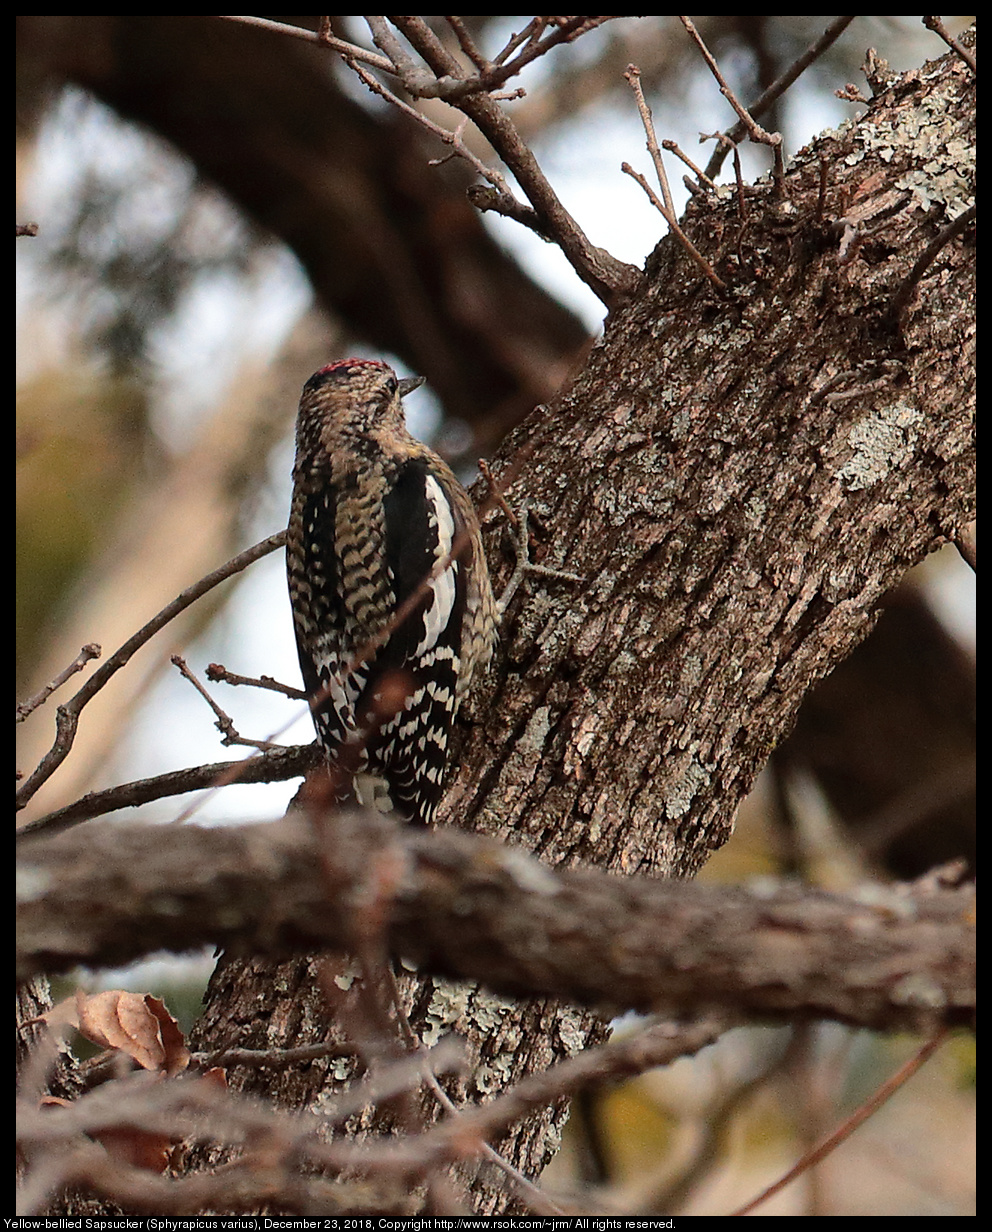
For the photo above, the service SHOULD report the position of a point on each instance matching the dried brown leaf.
(130, 1145)
(135, 1024)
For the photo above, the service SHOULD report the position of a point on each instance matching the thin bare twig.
(498, 197)
(453, 139)
(524, 565)
(569, 28)
(275, 766)
(538, 1201)
(856, 1119)
(683, 239)
(752, 127)
(724, 140)
(485, 198)
(938, 27)
(67, 720)
(90, 651)
(646, 1049)
(350, 50)
(415, 78)
(496, 492)
(831, 393)
(467, 44)
(674, 148)
(217, 673)
(224, 722)
(609, 278)
(658, 1044)
(665, 206)
(274, 1058)
(451, 83)
(780, 85)
(632, 75)
(529, 34)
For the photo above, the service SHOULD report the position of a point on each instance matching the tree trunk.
(739, 479)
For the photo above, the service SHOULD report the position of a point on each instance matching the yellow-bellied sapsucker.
(392, 604)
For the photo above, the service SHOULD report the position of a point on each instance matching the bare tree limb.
(350, 50)
(274, 766)
(223, 721)
(472, 908)
(666, 205)
(68, 714)
(90, 651)
(609, 278)
(218, 673)
(779, 87)
(751, 126)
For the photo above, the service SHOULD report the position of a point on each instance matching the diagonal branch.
(275, 766)
(90, 651)
(67, 721)
(754, 130)
(779, 87)
(666, 206)
(608, 277)
(351, 51)
(937, 26)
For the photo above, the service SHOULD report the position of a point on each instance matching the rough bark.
(463, 906)
(739, 480)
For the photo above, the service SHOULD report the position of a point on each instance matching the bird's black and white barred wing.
(391, 597)
(422, 659)
(379, 632)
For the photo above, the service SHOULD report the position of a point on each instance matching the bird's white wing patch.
(442, 587)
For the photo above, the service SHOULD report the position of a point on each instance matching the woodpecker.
(392, 604)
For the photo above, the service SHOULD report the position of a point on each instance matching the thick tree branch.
(471, 908)
(742, 482)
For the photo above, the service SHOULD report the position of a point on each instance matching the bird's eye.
(390, 385)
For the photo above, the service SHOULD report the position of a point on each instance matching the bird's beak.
(409, 383)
